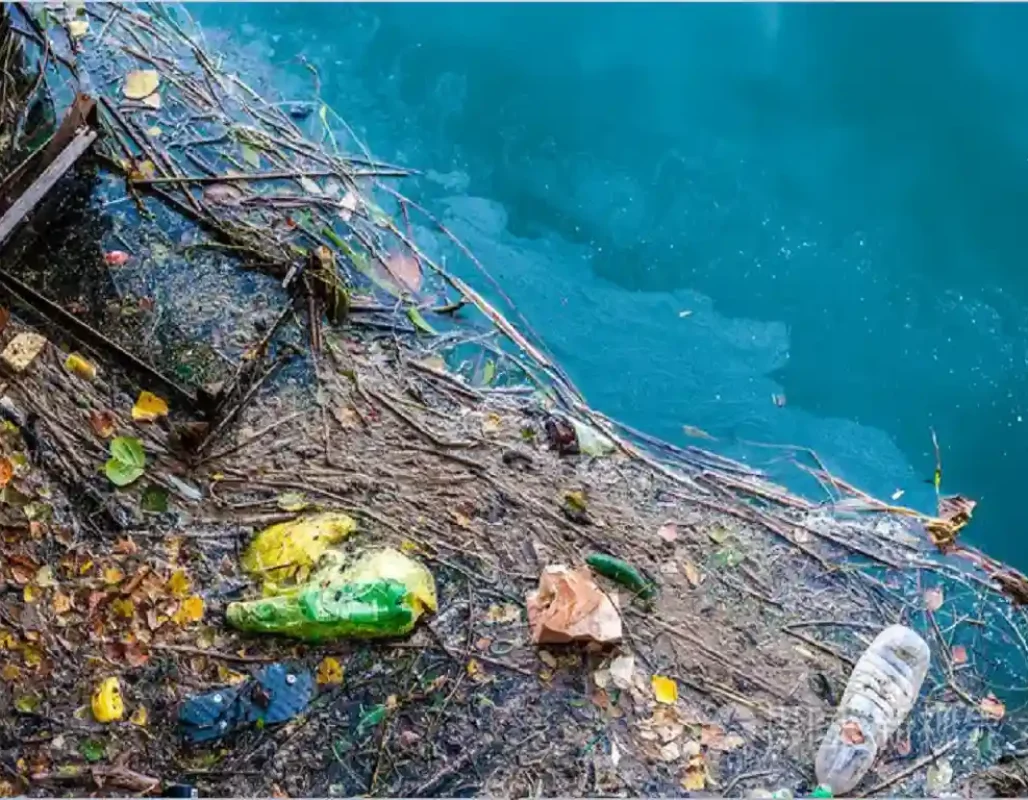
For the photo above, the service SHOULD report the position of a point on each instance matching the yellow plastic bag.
(106, 701)
(389, 564)
(280, 551)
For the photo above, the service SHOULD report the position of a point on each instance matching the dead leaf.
(139, 717)
(80, 366)
(959, 654)
(405, 269)
(668, 531)
(330, 672)
(103, 423)
(933, 598)
(992, 707)
(149, 407)
(697, 433)
(692, 574)
(902, 746)
(113, 575)
(226, 194)
(347, 206)
(140, 83)
(78, 28)
(695, 777)
(190, 610)
(569, 606)
(178, 583)
(491, 423)
(61, 603)
(938, 777)
(718, 534)
(6, 470)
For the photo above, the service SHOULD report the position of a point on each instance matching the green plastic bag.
(382, 594)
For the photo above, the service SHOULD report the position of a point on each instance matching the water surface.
(838, 194)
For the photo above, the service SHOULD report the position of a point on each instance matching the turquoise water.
(838, 193)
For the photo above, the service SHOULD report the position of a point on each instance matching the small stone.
(22, 351)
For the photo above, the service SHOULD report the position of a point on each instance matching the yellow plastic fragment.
(389, 564)
(106, 702)
(280, 551)
(665, 690)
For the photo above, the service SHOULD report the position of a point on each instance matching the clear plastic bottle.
(881, 691)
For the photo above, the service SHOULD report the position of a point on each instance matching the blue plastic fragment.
(275, 694)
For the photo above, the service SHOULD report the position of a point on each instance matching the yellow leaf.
(106, 702)
(113, 576)
(78, 28)
(474, 669)
(61, 603)
(692, 574)
(665, 690)
(124, 607)
(154, 132)
(492, 423)
(78, 365)
(149, 407)
(330, 672)
(408, 547)
(141, 83)
(7, 641)
(153, 101)
(85, 567)
(10, 672)
(140, 717)
(30, 593)
(695, 777)
(178, 584)
(191, 610)
(32, 655)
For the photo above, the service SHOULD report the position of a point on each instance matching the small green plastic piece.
(622, 572)
(822, 791)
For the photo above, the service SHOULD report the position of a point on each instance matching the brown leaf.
(135, 655)
(103, 423)
(5, 317)
(692, 574)
(933, 598)
(959, 654)
(6, 471)
(405, 269)
(902, 746)
(992, 708)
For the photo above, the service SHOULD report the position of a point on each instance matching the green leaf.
(292, 501)
(727, 557)
(154, 500)
(127, 461)
(27, 703)
(371, 718)
(419, 322)
(128, 450)
(12, 496)
(251, 156)
(488, 372)
(93, 750)
(323, 114)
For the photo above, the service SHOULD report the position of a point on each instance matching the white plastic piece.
(881, 691)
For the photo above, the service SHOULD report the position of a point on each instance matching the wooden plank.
(39, 188)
